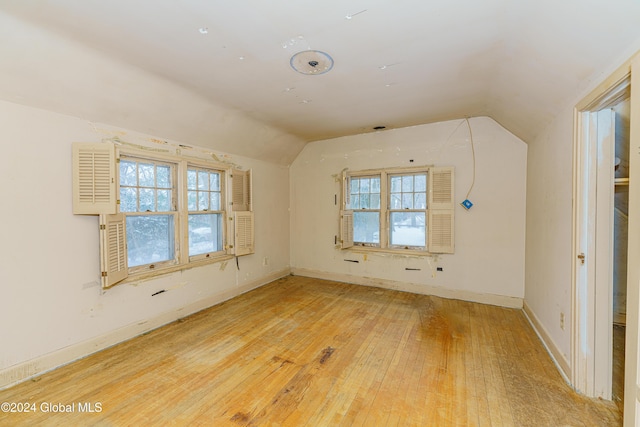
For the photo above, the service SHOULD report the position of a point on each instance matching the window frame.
(390, 210)
(181, 164)
(223, 212)
(379, 211)
(174, 210)
(433, 207)
(96, 191)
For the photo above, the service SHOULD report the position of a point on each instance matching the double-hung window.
(161, 212)
(408, 210)
(398, 209)
(148, 200)
(365, 202)
(205, 203)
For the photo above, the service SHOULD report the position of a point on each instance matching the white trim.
(417, 288)
(558, 358)
(47, 362)
(592, 313)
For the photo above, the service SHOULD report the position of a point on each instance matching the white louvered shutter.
(441, 210)
(346, 229)
(94, 179)
(346, 214)
(346, 194)
(244, 233)
(241, 190)
(113, 249)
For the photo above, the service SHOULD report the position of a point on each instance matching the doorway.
(600, 212)
(620, 230)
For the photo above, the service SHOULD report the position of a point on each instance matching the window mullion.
(182, 208)
(384, 210)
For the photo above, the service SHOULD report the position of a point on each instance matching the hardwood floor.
(305, 352)
(618, 364)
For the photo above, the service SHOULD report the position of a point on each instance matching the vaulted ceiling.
(396, 63)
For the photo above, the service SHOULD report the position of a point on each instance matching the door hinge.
(581, 257)
(103, 226)
(105, 274)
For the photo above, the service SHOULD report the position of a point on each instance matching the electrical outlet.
(562, 321)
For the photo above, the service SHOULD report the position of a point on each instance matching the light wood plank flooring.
(306, 352)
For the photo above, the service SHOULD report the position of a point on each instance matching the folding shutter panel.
(244, 233)
(94, 179)
(113, 249)
(346, 229)
(441, 210)
(346, 194)
(241, 190)
(441, 188)
(441, 231)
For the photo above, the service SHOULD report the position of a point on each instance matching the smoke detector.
(311, 62)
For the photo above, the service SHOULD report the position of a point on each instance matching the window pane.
(205, 233)
(408, 229)
(149, 239)
(407, 201)
(214, 182)
(164, 200)
(127, 173)
(355, 201)
(192, 200)
(396, 184)
(147, 200)
(203, 200)
(364, 185)
(396, 201)
(375, 201)
(355, 185)
(420, 201)
(364, 201)
(366, 227)
(146, 175)
(420, 183)
(215, 201)
(192, 181)
(128, 199)
(164, 177)
(203, 180)
(407, 183)
(375, 185)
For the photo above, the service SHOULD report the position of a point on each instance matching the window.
(204, 200)
(148, 200)
(408, 210)
(365, 202)
(161, 213)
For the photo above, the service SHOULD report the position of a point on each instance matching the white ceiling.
(397, 63)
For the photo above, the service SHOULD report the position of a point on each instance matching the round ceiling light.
(311, 62)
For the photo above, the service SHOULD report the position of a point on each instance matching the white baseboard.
(499, 300)
(558, 358)
(47, 362)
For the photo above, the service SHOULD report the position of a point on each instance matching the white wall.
(549, 222)
(51, 305)
(488, 264)
(549, 232)
(60, 74)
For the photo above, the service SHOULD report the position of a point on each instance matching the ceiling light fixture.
(311, 62)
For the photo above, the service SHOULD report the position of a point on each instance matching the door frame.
(590, 359)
